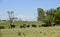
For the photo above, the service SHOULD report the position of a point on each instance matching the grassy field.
(31, 32)
(53, 31)
(17, 24)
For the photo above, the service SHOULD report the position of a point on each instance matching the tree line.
(50, 17)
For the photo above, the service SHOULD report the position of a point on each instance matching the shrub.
(19, 33)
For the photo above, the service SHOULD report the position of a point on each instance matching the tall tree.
(57, 15)
(52, 16)
(40, 14)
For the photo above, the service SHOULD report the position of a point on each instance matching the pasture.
(6, 24)
(53, 31)
(31, 32)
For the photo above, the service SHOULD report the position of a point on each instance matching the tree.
(57, 16)
(50, 17)
(58, 8)
(40, 14)
(11, 17)
(54, 15)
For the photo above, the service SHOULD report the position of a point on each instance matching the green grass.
(18, 23)
(53, 31)
(31, 32)
(5, 24)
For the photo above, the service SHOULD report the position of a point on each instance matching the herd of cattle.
(27, 26)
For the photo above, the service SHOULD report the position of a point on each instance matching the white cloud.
(24, 18)
(27, 18)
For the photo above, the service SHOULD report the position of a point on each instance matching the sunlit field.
(53, 31)
(31, 32)
(6, 24)
(29, 18)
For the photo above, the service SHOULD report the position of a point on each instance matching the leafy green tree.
(57, 16)
(40, 14)
(52, 15)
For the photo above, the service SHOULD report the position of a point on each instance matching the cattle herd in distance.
(27, 26)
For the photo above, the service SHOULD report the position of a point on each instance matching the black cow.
(1, 27)
(39, 25)
(23, 26)
(53, 24)
(12, 26)
(46, 25)
(28, 25)
(33, 25)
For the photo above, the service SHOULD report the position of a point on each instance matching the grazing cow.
(53, 24)
(21, 26)
(33, 25)
(46, 25)
(12, 26)
(58, 23)
(1, 27)
(24, 25)
(39, 25)
(28, 25)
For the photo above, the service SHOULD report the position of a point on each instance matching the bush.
(19, 33)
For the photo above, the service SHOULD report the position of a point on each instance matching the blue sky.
(25, 7)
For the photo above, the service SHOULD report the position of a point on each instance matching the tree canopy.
(52, 15)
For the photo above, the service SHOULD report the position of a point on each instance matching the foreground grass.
(31, 32)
